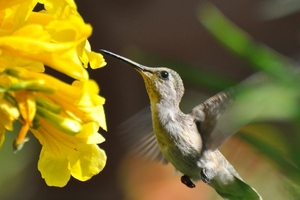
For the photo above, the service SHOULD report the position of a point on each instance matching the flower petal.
(26, 104)
(53, 168)
(95, 60)
(33, 42)
(8, 113)
(59, 8)
(2, 135)
(87, 161)
(89, 134)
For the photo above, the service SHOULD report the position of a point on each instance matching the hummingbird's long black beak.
(126, 60)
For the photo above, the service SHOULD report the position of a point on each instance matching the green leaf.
(242, 44)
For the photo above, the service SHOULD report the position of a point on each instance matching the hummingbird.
(190, 141)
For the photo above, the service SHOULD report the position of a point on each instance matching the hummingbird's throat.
(154, 96)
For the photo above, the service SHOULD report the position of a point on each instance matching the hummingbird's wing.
(207, 117)
(138, 136)
(227, 112)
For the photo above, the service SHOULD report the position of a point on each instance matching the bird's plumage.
(189, 141)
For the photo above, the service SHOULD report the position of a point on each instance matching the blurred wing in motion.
(137, 134)
(258, 98)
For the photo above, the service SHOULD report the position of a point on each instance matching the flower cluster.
(65, 118)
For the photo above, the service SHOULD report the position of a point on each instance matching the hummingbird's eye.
(164, 74)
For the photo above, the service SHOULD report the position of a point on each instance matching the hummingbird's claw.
(187, 181)
(204, 177)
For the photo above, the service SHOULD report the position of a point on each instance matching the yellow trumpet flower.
(65, 118)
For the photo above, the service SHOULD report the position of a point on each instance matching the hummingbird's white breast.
(178, 139)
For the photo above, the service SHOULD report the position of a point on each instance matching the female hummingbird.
(190, 141)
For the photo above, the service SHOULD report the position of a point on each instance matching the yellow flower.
(8, 113)
(65, 118)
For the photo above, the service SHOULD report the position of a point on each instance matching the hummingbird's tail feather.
(225, 179)
(239, 190)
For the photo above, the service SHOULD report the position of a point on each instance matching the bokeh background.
(166, 29)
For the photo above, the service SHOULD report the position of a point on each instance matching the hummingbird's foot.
(187, 181)
(204, 176)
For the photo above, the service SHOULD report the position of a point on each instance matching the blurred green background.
(211, 51)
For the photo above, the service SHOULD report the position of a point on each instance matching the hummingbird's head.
(161, 83)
